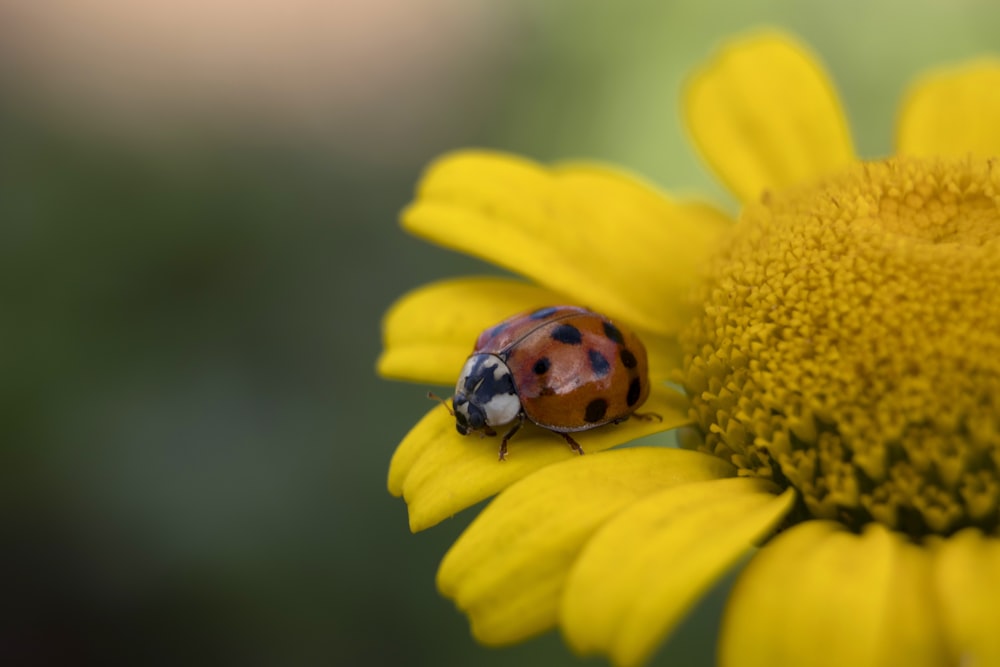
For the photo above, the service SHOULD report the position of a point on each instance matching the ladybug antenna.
(444, 401)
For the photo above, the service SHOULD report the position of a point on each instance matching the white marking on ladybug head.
(484, 394)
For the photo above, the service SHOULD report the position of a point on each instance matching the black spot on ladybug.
(634, 389)
(595, 410)
(628, 358)
(495, 331)
(612, 332)
(542, 313)
(541, 366)
(567, 333)
(599, 363)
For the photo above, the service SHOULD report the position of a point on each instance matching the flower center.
(849, 346)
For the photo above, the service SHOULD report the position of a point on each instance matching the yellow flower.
(841, 368)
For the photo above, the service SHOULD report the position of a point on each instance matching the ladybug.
(563, 368)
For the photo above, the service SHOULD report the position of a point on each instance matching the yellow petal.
(429, 332)
(953, 112)
(765, 115)
(604, 239)
(439, 472)
(820, 596)
(645, 568)
(911, 632)
(508, 569)
(966, 579)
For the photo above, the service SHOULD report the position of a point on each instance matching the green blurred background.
(198, 232)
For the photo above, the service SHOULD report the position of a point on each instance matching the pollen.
(848, 345)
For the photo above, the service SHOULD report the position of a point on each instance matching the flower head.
(839, 359)
(850, 346)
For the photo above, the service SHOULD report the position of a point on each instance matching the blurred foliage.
(196, 444)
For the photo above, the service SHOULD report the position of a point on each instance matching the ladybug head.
(484, 395)
(468, 417)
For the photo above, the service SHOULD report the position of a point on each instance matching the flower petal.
(820, 596)
(439, 472)
(644, 568)
(429, 332)
(765, 115)
(604, 239)
(911, 632)
(966, 579)
(508, 569)
(953, 112)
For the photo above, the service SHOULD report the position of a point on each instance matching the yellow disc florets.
(849, 345)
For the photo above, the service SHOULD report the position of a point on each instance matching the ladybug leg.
(510, 434)
(571, 442)
(641, 416)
